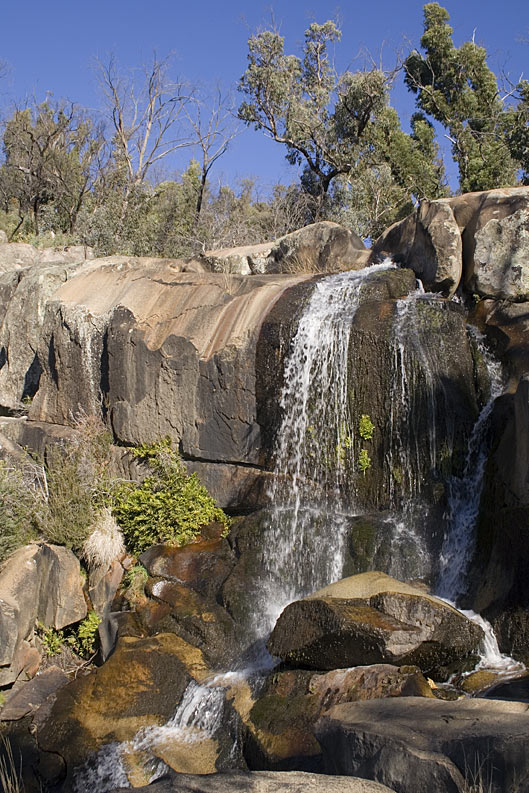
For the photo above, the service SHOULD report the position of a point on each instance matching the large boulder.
(280, 723)
(323, 247)
(37, 582)
(429, 242)
(140, 685)
(372, 618)
(413, 745)
(260, 782)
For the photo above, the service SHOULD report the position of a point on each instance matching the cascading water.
(197, 718)
(464, 493)
(305, 536)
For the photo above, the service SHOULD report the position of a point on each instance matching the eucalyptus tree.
(319, 115)
(456, 87)
(50, 154)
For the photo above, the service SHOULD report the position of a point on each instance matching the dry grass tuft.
(105, 542)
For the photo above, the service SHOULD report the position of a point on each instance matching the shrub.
(169, 507)
(105, 542)
(78, 484)
(19, 510)
(86, 635)
(133, 584)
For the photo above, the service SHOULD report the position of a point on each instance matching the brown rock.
(203, 565)
(31, 695)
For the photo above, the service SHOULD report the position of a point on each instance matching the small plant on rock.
(364, 461)
(86, 633)
(366, 427)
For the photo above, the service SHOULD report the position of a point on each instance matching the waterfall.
(464, 493)
(306, 532)
(197, 718)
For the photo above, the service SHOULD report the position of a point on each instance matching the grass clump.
(170, 506)
(19, 509)
(105, 541)
(10, 774)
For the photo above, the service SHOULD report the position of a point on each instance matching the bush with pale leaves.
(105, 542)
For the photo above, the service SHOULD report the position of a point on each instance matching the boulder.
(203, 565)
(429, 242)
(199, 620)
(493, 224)
(33, 694)
(260, 782)
(140, 685)
(37, 582)
(16, 255)
(373, 618)
(413, 745)
(323, 247)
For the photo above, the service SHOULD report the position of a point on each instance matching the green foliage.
(364, 461)
(78, 485)
(366, 427)
(86, 635)
(169, 507)
(80, 639)
(19, 510)
(133, 584)
(456, 87)
(51, 638)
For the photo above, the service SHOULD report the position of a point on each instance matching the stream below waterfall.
(313, 501)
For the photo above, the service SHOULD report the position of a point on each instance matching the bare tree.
(213, 124)
(145, 114)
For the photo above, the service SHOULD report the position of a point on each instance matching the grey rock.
(413, 745)
(61, 600)
(372, 618)
(260, 782)
(31, 695)
(323, 247)
(428, 242)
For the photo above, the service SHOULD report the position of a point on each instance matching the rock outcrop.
(413, 745)
(323, 247)
(372, 618)
(479, 241)
(260, 782)
(39, 582)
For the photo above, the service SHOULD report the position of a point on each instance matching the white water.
(197, 718)
(306, 534)
(464, 493)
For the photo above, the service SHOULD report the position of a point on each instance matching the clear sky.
(50, 46)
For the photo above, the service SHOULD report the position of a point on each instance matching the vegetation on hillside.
(70, 176)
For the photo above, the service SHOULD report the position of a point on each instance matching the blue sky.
(50, 46)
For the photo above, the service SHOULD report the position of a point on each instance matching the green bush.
(86, 635)
(169, 507)
(364, 461)
(19, 510)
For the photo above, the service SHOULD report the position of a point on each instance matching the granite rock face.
(323, 247)
(372, 618)
(413, 745)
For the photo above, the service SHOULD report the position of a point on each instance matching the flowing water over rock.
(311, 495)
(315, 494)
(464, 492)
